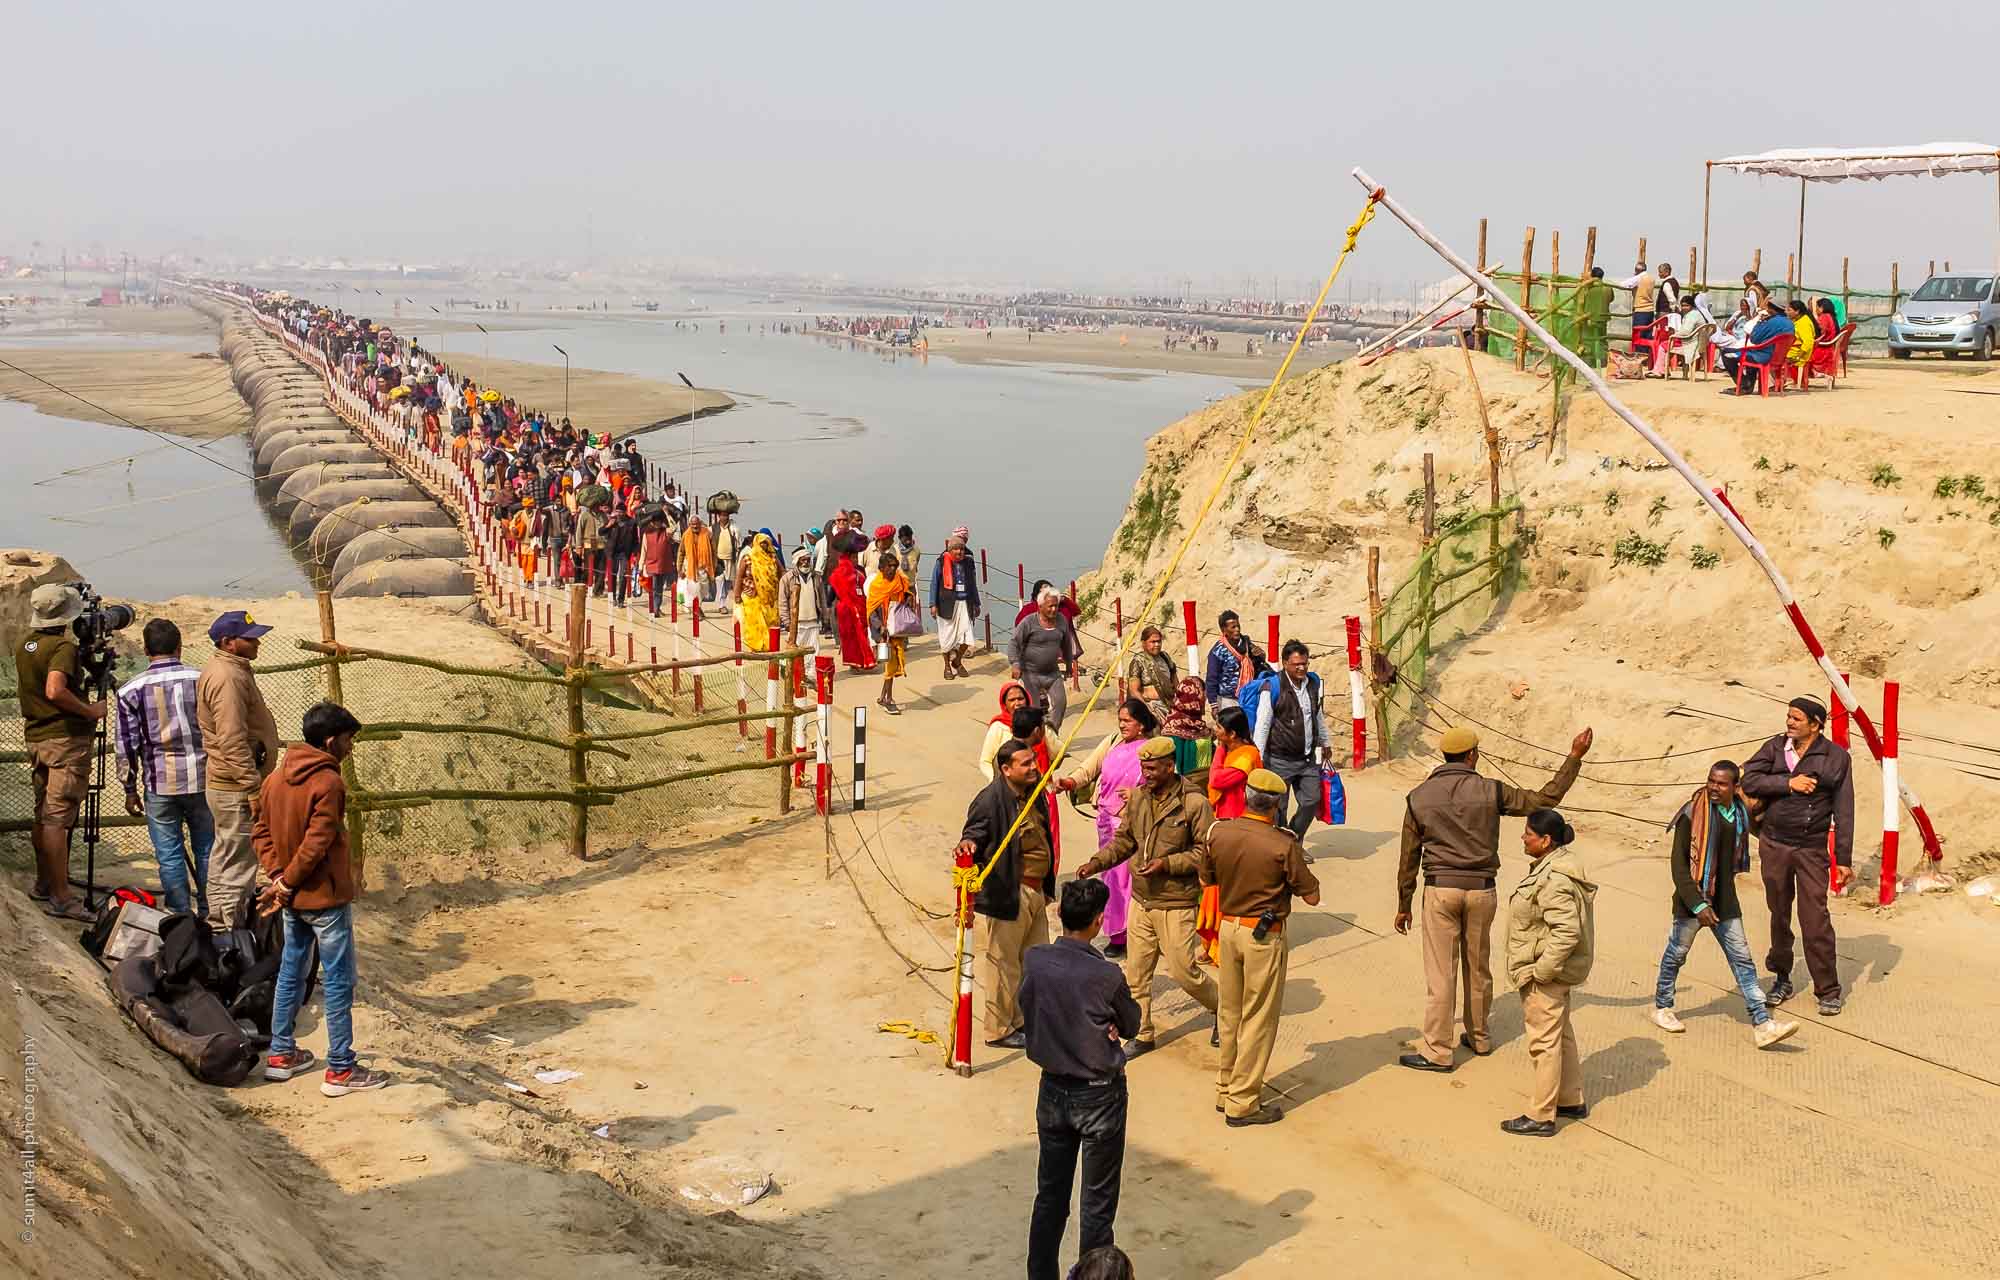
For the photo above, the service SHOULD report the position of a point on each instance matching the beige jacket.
(1551, 928)
(235, 723)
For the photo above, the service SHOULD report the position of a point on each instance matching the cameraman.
(60, 732)
(241, 740)
(164, 768)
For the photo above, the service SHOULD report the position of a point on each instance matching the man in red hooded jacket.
(301, 842)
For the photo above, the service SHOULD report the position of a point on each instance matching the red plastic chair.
(1652, 339)
(1846, 336)
(1781, 347)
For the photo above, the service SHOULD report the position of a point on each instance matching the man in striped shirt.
(160, 752)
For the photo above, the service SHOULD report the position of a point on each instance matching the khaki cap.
(1157, 749)
(1265, 781)
(1457, 740)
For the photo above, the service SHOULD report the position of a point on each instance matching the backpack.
(100, 930)
(1269, 682)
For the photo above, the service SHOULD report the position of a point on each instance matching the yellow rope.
(910, 1030)
(1166, 575)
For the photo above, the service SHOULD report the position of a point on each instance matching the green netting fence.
(1450, 592)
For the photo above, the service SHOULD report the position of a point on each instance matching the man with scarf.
(1711, 846)
(1014, 898)
(955, 602)
(1233, 661)
(1806, 786)
(1164, 833)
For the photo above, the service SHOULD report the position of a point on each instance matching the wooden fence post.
(1843, 286)
(1589, 250)
(1527, 296)
(1895, 287)
(1479, 300)
(1425, 568)
(1757, 263)
(1375, 650)
(579, 756)
(356, 818)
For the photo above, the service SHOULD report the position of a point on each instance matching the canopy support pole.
(1800, 279)
(1707, 188)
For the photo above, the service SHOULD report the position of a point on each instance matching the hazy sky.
(1087, 143)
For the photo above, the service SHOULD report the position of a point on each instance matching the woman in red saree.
(1826, 352)
(850, 613)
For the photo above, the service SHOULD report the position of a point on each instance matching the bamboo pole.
(1843, 286)
(607, 675)
(581, 800)
(345, 653)
(1757, 263)
(1791, 269)
(574, 678)
(1895, 288)
(1642, 253)
(1425, 566)
(381, 729)
(1492, 448)
(1527, 294)
(1479, 302)
(709, 771)
(729, 718)
(1693, 263)
(357, 841)
(1375, 650)
(1589, 250)
(1801, 258)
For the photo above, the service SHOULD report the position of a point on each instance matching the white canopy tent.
(1840, 164)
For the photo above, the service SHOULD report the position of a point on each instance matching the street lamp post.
(691, 412)
(565, 356)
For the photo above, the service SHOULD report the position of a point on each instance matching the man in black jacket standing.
(1076, 1009)
(1806, 785)
(1015, 898)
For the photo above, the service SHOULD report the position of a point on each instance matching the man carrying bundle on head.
(1806, 786)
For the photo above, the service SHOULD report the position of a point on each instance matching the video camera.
(93, 629)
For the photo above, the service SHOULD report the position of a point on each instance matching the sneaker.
(1668, 1020)
(1829, 1006)
(1781, 991)
(283, 1066)
(1266, 1114)
(338, 1084)
(1772, 1032)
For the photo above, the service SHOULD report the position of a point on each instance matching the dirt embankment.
(1880, 501)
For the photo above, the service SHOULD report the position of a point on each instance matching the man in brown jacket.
(1164, 833)
(241, 739)
(301, 837)
(1452, 828)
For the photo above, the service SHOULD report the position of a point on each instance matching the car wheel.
(1985, 351)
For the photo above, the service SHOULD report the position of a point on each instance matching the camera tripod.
(97, 684)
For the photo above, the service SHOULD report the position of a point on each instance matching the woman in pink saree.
(1114, 767)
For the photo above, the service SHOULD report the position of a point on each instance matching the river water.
(1038, 459)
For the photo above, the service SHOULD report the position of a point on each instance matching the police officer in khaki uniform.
(1451, 828)
(1164, 832)
(1259, 867)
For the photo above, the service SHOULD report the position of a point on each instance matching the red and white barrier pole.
(771, 700)
(1892, 808)
(961, 1028)
(1357, 698)
(1271, 643)
(1193, 654)
(823, 749)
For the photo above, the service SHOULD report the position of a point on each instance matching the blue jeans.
(1735, 946)
(334, 928)
(165, 816)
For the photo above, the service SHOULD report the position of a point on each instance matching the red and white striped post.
(674, 629)
(1271, 643)
(1021, 583)
(823, 748)
(1836, 730)
(798, 744)
(771, 700)
(1357, 698)
(961, 1025)
(742, 685)
(1892, 807)
(983, 584)
(1193, 653)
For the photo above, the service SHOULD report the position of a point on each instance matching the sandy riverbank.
(601, 401)
(1133, 349)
